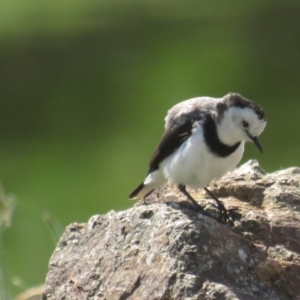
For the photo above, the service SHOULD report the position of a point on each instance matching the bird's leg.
(224, 214)
(221, 207)
(182, 189)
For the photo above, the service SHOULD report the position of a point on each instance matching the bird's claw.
(226, 215)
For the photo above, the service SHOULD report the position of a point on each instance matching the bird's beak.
(255, 140)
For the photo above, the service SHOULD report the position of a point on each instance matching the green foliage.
(7, 204)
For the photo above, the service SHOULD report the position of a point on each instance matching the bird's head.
(239, 119)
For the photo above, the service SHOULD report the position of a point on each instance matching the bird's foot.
(226, 215)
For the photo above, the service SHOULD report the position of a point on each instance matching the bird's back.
(195, 108)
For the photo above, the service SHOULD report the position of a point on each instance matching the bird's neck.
(215, 144)
(227, 132)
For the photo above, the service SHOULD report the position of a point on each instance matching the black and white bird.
(204, 139)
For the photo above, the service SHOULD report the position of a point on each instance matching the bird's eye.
(245, 124)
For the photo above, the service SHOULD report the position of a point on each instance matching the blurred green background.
(84, 88)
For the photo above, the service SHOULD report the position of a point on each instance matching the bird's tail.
(152, 181)
(141, 191)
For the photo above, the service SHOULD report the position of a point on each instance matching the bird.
(204, 139)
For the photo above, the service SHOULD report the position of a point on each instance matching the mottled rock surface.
(163, 249)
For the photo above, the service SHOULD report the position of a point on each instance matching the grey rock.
(163, 249)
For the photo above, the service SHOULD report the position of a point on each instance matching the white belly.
(195, 166)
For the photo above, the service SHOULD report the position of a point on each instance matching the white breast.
(195, 166)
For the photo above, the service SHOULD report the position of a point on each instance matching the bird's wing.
(170, 141)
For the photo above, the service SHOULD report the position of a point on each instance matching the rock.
(163, 249)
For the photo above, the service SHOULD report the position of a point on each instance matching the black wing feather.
(172, 139)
